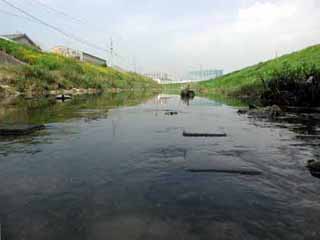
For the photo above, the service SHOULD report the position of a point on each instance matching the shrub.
(292, 85)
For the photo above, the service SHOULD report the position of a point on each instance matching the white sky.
(175, 36)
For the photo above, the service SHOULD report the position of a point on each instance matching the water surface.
(103, 170)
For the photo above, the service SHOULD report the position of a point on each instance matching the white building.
(79, 55)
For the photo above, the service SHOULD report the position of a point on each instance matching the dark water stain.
(114, 167)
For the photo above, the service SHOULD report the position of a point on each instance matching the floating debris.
(171, 113)
(19, 130)
(187, 134)
(242, 172)
(63, 97)
(159, 110)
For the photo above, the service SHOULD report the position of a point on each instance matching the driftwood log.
(242, 172)
(187, 134)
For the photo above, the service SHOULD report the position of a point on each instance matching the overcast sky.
(174, 36)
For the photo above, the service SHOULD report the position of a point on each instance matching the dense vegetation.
(292, 85)
(285, 78)
(47, 71)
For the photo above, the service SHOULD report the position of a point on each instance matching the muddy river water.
(119, 167)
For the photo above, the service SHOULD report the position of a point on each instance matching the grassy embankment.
(45, 72)
(283, 80)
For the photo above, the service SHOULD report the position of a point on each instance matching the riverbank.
(41, 73)
(288, 80)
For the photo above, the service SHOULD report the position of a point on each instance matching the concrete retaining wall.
(8, 59)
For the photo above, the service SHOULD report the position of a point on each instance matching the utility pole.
(134, 64)
(111, 52)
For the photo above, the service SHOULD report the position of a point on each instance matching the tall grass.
(292, 85)
(47, 71)
(248, 80)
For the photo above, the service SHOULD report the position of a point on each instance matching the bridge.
(191, 76)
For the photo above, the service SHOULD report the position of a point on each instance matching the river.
(118, 167)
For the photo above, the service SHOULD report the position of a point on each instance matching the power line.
(113, 53)
(71, 36)
(16, 15)
(60, 12)
(31, 17)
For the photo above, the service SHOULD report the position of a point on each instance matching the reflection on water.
(48, 110)
(102, 170)
(187, 99)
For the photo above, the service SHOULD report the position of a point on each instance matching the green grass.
(248, 81)
(48, 71)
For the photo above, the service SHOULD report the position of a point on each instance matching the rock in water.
(252, 106)
(310, 80)
(187, 93)
(266, 112)
(19, 130)
(313, 165)
(171, 113)
(314, 168)
(243, 111)
(63, 97)
(275, 111)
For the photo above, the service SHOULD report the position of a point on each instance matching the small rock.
(310, 80)
(275, 111)
(252, 106)
(171, 113)
(267, 112)
(314, 168)
(313, 165)
(6, 90)
(243, 111)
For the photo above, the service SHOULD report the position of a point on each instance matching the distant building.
(67, 52)
(22, 39)
(86, 57)
(120, 69)
(79, 55)
(160, 77)
(204, 74)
